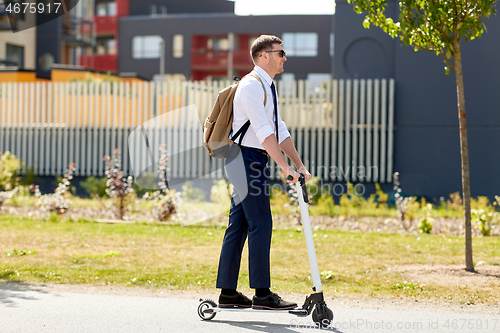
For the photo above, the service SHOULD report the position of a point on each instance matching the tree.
(438, 26)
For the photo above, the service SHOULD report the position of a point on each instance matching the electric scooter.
(314, 303)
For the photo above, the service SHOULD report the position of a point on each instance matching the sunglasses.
(281, 53)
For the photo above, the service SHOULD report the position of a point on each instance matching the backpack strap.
(263, 87)
(243, 129)
(241, 132)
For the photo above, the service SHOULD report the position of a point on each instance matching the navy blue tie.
(275, 100)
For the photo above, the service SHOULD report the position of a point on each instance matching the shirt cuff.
(283, 134)
(264, 132)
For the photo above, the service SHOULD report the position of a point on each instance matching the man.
(250, 213)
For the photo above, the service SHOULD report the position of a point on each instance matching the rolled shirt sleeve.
(283, 131)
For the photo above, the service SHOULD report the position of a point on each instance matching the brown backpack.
(219, 123)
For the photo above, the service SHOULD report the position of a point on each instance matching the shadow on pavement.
(261, 326)
(10, 291)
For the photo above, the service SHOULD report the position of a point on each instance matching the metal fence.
(343, 129)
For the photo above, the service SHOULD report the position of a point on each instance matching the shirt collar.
(263, 74)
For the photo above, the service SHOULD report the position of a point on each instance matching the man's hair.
(263, 43)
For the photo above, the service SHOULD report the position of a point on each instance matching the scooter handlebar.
(302, 181)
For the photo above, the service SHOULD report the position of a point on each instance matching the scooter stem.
(306, 224)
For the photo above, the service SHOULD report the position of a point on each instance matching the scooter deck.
(296, 311)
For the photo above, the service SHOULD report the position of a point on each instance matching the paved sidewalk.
(28, 308)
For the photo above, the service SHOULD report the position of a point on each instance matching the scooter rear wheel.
(322, 322)
(205, 305)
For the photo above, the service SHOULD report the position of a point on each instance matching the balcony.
(106, 25)
(218, 60)
(100, 62)
(77, 31)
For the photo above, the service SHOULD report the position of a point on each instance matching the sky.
(277, 7)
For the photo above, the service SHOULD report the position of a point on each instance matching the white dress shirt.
(249, 104)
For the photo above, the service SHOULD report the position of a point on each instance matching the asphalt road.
(28, 308)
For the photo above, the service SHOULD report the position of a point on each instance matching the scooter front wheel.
(205, 309)
(324, 319)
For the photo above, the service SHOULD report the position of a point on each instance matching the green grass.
(77, 202)
(169, 256)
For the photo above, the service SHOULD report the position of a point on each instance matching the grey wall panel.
(425, 95)
(427, 145)
(428, 161)
(360, 52)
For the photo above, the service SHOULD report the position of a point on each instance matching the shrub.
(280, 202)
(350, 201)
(57, 202)
(192, 193)
(325, 205)
(455, 203)
(28, 178)
(119, 188)
(483, 214)
(425, 225)
(482, 220)
(380, 196)
(9, 166)
(146, 183)
(220, 191)
(95, 186)
(166, 200)
(407, 206)
(5, 196)
(314, 190)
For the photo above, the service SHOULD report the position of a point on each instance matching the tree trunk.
(464, 149)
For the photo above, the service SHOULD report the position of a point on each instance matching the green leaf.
(447, 70)
(448, 54)
(366, 23)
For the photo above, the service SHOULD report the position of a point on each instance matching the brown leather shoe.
(272, 302)
(236, 301)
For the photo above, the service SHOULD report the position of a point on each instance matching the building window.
(106, 46)
(106, 9)
(101, 47)
(178, 46)
(300, 44)
(112, 8)
(101, 9)
(146, 47)
(15, 54)
(218, 44)
(153, 10)
(111, 46)
(332, 44)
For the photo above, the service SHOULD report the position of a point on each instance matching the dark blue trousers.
(250, 215)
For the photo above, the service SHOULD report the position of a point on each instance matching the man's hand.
(306, 173)
(290, 172)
